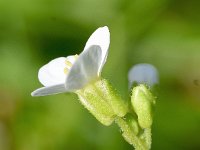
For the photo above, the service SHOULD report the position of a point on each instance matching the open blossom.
(68, 74)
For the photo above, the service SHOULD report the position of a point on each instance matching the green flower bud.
(132, 123)
(142, 102)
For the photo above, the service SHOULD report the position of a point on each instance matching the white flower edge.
(54, 89)
(83, 71)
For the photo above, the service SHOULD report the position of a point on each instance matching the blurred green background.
(165, 33)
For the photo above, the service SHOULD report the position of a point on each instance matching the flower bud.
(142, 102)
(143, 74)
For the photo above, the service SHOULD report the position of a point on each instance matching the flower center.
(69, 62)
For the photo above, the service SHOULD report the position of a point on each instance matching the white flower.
(68, 74)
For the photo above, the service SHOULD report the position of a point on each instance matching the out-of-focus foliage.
(165, 33)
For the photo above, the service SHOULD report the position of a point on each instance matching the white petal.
(53, 72)
(85, 69)
(49, 90)
(143, 73)
(71, 59)
(100, 37)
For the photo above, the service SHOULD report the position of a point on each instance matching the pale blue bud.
(143, 74)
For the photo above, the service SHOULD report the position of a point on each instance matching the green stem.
(130, 136)
(147, 135)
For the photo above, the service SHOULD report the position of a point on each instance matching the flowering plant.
(81, 74)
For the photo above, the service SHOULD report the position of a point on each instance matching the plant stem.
(129, 135)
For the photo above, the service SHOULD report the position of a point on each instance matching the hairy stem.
(130, 135)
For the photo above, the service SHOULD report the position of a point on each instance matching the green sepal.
(118, 105)
(96, 105)
(102, 101)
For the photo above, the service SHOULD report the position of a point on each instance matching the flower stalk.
(130, 132)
